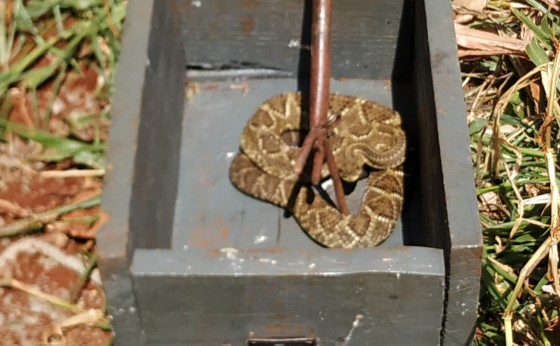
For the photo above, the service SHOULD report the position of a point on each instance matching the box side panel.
(276, 34)
(114, 240)
(454, 197)
(369, 309)
(121, 302)
(228, 297)
(463, 294)
(434, 211)
(142, 70)
(157, 165)
(403, 93)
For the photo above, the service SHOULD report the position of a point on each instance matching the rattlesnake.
(361, 133)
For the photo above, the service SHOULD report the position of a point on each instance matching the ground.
(43, 260)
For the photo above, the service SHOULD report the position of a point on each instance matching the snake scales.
(361, 133)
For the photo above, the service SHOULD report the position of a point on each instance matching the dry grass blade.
(38, 220)
(478, 43)
(73, 173)
(13, 283)
(9, 207)
(552, 113)
(93, 317)
(537, 257)
(471, 5)
(88, 317)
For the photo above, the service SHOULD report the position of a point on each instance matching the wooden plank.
(452, 201)
(271, 33)
(138, 195)
(218, 297)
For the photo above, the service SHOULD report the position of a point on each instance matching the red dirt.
(26, 319)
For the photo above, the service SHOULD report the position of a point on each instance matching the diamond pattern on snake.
(362, 133)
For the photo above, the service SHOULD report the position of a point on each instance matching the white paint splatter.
(260, 239)
(231, 253)
(267, 260)
(355, 325)
(294, 43)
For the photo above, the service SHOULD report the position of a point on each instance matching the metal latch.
(293, 341)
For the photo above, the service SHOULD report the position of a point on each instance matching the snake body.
(362, 134)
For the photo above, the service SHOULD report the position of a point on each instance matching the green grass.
(41, 43)
(514, 141)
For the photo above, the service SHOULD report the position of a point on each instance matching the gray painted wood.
(210, 212)
(463, 242)
(114, 240)
(148, 96)
(268, 33)
(220, 297)
(258, 265)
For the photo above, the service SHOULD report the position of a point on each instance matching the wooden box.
(186, 259)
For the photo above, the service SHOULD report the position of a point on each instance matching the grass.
(41, 41)
(513, 118)
(39, 220)
(44, 43)
(513, 123)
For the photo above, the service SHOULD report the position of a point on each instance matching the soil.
(41, 260)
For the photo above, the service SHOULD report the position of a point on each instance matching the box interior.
(229, 72)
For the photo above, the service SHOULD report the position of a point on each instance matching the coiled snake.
(361, 133)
